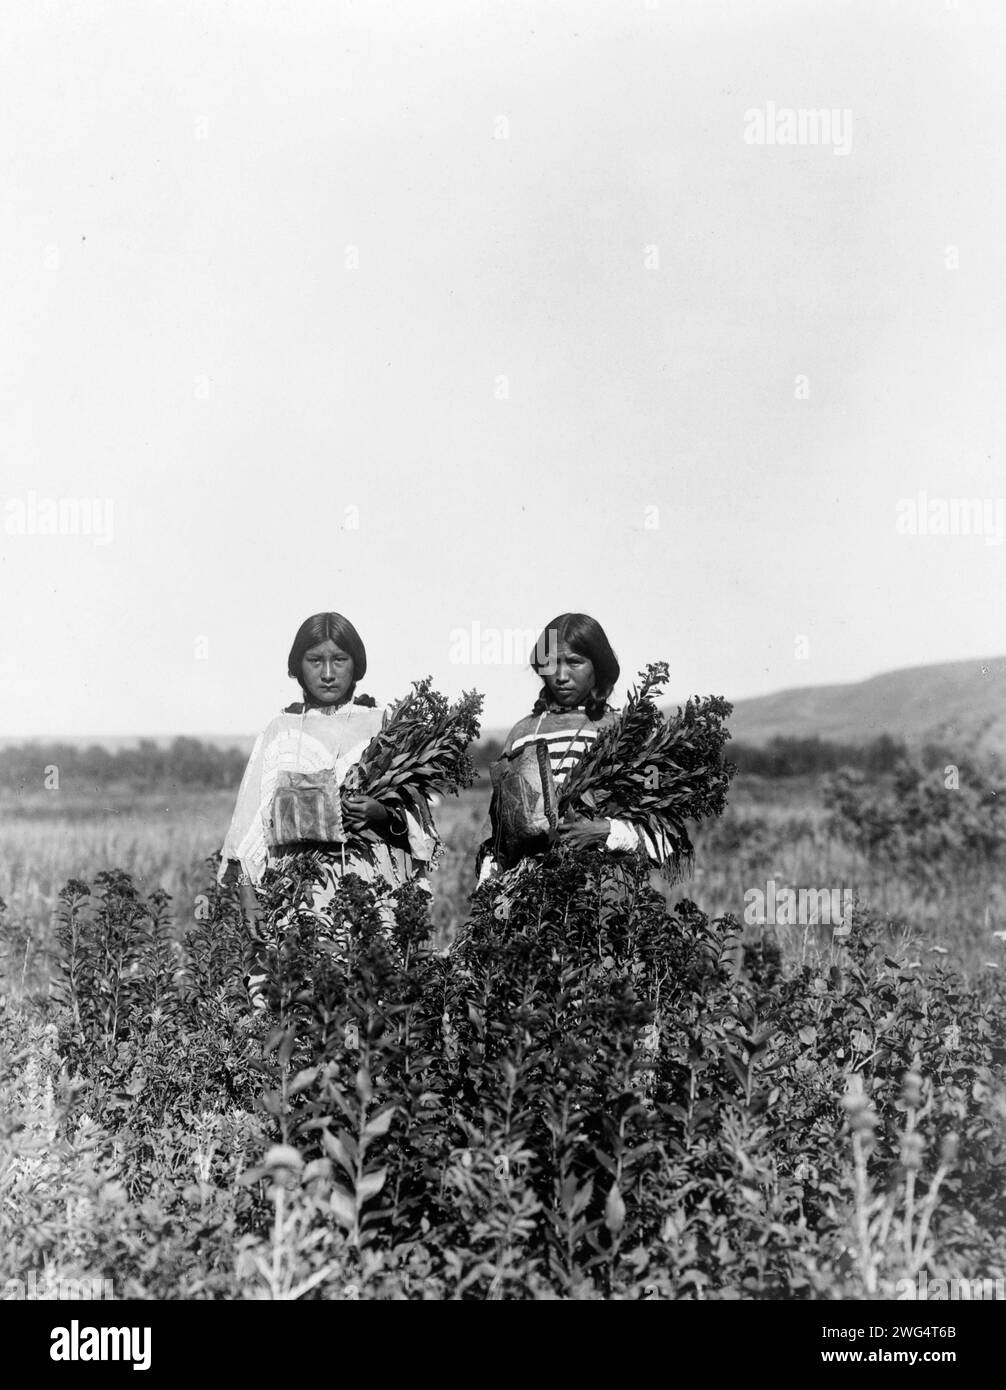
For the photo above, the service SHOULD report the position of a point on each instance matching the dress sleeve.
(422, 832)
(625, 837)
(488, 870)
(245, 840)
(622, 837)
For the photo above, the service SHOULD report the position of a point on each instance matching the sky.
(454, 316)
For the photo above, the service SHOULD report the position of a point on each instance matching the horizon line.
(500, 728)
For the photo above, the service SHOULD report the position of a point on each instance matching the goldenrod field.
(771, 830)
(163, 1156)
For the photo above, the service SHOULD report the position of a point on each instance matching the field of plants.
(599, 1088)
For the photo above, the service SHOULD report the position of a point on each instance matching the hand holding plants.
(580, 833)
(366, 811)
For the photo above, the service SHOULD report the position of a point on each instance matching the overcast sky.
(460, 314)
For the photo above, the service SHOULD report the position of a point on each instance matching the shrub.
(587, 1096)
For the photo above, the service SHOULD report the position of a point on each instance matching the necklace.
(342, 741)
(326, 709)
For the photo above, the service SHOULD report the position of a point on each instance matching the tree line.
(147, 765)
(191, 762)
(807, 757)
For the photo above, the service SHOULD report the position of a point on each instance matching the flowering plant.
(422, 750)
(657, 771)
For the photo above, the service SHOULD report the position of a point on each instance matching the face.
(326, 673)
(570, 678)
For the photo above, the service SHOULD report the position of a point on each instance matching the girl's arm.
(255, 971)
(615, 836)
(250, 905)
(245, 840)
(628, 837)
(394, 822)
(622, 837)
(417, 828)
(367, 810)
(582, 833)
(486, 865)
(487, 868)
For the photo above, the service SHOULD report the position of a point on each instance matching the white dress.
(314, 741)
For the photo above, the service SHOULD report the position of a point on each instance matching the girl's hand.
(250, 907)
(364, 810)
(584, 834)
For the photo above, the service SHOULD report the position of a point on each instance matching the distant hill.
(956, 703)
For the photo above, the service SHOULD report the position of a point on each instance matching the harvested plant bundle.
(658, 772)
(422, 750)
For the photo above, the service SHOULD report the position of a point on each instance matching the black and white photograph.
(502, 525)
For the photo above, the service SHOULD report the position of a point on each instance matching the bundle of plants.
(421, 751)
(660, 772)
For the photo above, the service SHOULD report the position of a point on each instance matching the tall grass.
(776, 830)
(597, 1100)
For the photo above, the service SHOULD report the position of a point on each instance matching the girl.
(328, 729)
(578, 670)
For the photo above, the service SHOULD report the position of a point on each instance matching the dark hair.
(585, 635)
(327, 627)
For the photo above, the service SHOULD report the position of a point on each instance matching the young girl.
(328, 729)
(578, 670)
